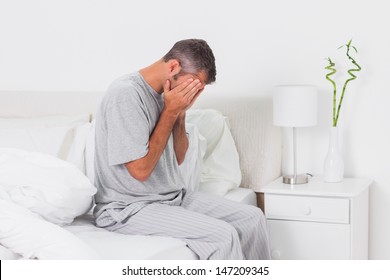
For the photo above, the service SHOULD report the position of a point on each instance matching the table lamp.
(295, 106)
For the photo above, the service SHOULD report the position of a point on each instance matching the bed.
(256, 153)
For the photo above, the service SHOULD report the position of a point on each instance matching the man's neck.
(152, 75)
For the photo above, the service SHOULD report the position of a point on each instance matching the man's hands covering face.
(181, 98)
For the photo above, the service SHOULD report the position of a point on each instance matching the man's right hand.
(181, 97)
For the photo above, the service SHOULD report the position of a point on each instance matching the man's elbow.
(142, 177)
(180, 160)
(138, 173)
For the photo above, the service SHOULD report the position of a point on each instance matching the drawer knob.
(275, 254)
(307, 211)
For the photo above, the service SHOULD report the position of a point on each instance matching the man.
(140, 142)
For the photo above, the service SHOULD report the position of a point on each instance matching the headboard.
(258, 141)
(37, 103)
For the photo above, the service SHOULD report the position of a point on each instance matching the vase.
(334, 163)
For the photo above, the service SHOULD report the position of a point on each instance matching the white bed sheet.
(243, 195)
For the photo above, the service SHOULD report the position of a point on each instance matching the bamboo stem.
(353, 77)
(331, 67)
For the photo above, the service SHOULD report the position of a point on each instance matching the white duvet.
(38, 193)
(30, 236)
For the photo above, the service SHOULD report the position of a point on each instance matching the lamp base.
(296, 180)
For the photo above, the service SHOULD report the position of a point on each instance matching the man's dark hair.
(194, 55)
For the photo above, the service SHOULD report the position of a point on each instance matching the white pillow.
(55, 141)
(191, 167)
(48, 186)
(27, 234)
(77, 151)
(220, 165)
(60, 136)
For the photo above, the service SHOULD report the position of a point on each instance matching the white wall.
(83, 45)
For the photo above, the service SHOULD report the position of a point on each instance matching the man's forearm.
(180, 140)
(141, 168)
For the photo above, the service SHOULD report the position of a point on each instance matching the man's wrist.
(171, 114)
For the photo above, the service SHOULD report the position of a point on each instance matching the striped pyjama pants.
(212, 227)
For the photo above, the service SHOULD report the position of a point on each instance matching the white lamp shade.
(295, 105)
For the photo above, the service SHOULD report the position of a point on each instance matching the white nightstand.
(318, 220)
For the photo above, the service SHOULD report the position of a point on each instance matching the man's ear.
(173, 67)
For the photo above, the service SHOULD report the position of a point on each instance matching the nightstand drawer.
(307, 208)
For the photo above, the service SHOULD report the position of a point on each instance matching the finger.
(194, 93)
(193, 87)
(183, 85)
(199, 86)
(167, 86)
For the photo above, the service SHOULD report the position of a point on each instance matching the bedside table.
(318, 220)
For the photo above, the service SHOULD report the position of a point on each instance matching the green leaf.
(355, 49)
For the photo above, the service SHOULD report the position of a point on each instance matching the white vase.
(334, 163)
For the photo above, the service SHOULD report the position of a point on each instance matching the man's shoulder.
(126, 87)
(126, 82)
